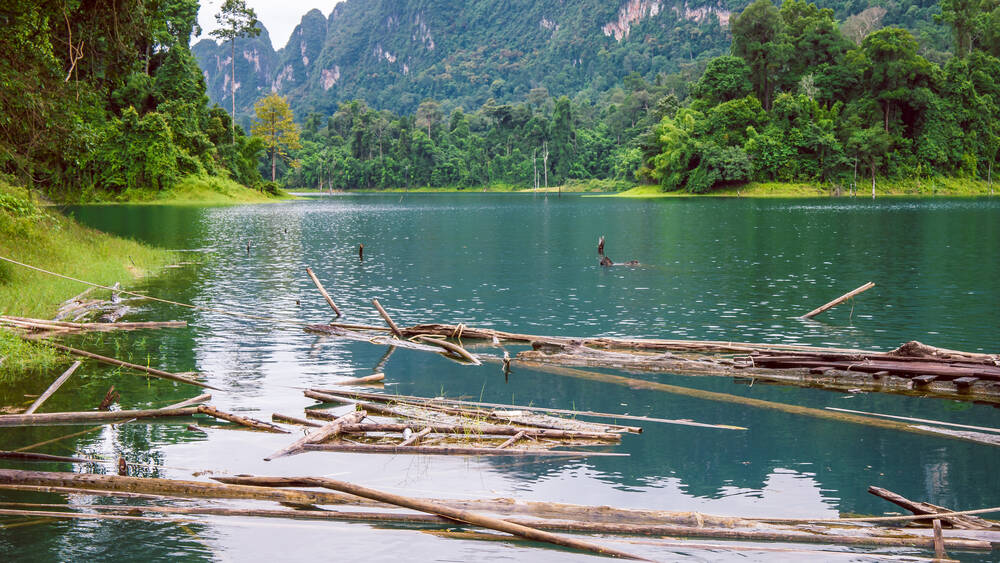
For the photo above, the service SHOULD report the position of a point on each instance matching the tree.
(725, 78)
(758, 39)
(235, 20)
(428, 114)
(275, 125)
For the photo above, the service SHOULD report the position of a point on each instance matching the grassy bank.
(195, 190)
(571, 186)
(944, 187)
(38, 235)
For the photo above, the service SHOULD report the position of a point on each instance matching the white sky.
(279, 17)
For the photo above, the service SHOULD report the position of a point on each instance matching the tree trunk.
(274, 154)
(886, 112)
(873, 178)
(232, 86)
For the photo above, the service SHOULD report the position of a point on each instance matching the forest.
(801, 97)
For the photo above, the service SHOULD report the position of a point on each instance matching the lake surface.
(714, 269)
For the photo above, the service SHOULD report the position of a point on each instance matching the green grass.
(40, 236)
(194, 189)
(574, 186)
(944, 187)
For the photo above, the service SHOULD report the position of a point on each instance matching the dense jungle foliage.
(106, 96)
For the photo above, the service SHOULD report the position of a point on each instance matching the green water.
(711, 269)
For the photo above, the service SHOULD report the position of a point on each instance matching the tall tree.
(275, 124)
(758, 39)
(235, 19)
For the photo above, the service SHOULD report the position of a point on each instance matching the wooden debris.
(110, 398)
(453, 348)
(367, 380)
(838, 300)
(324, 433)
(248, 422)
(468, 517)
(477, 430)
(50, 418)
(414, 438)
(963, 522)
(512, 440)
(52, 388)
(151, 371)
(924, 420)
(46, 325)
(23, 456)
(293, 420)
(450, 450)
(387, 318)
(322, 291)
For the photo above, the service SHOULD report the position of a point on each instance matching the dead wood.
(920, 508)
(52, 388)
(242, 420)
(449, 450)
(324, 433)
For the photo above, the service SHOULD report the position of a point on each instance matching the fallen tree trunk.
(49, 418)
(242, 420)
(448, 450)
(52, 388)
(481, 430)
(963, 522)
(326, 432)
(151, 371)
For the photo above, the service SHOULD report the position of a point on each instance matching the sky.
(279, 16)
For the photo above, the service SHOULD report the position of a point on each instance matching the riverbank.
(190, 190)
(942, 187)
(36, 234)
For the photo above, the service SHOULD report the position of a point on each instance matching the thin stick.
(414, 438)
(248, 422)
(510, 441)
(52, 388)
(150, 371)
(448, 450)
(387, 318)
(468, 517)
(189, 402)
(60, 438)
(41, 457)
(838, 301)
(326, 432)
(84, 516)
(938, 541)
(938, 422)
(326, 295)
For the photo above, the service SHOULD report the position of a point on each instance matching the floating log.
(43, 324)
(920, 508)
(453, 348)
(23, 456)
(468, 517)
(324, 433)
(422, 400)
(448, 450)
(189, 402)
(109, 399)
(387, 319)
(634, 383)
(924, 420)
(367, 380)
(151, 371)
(322, 291)
(414, 438)
(50, 418)
(293, 420)
(242, 420)
(838, 300)
(473, 429)
(52, 388)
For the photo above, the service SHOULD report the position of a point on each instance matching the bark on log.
(414, 438)
(453, 348)
(387, 319)
(448, 450)
(151, 371)
(511, 441)
(469, 517)
(367, 380)
(293, 420)
(962, 522)
(326, 432)
(242, 420)
(52, 388)
(50, 418)
(838, 300)
(322, 291)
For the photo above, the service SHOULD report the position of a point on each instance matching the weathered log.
(387, 319)
(324, 433)
(52, 388)
(924, 420)
(448, 450)
(367, 380)
(473, 430)
(963, 522)
(242, 420)
(109, 399)
(293, 420)
(634, 383)
(49, 418)
(838, 300)
(423, 400)
(512, 440)
(100, 327)
(22, 456)
(414, 438)
(453, 348)
(189, 402)
(468, 517)
(151, 371)
(322, 291)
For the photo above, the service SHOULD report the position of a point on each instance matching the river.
(719, 269)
